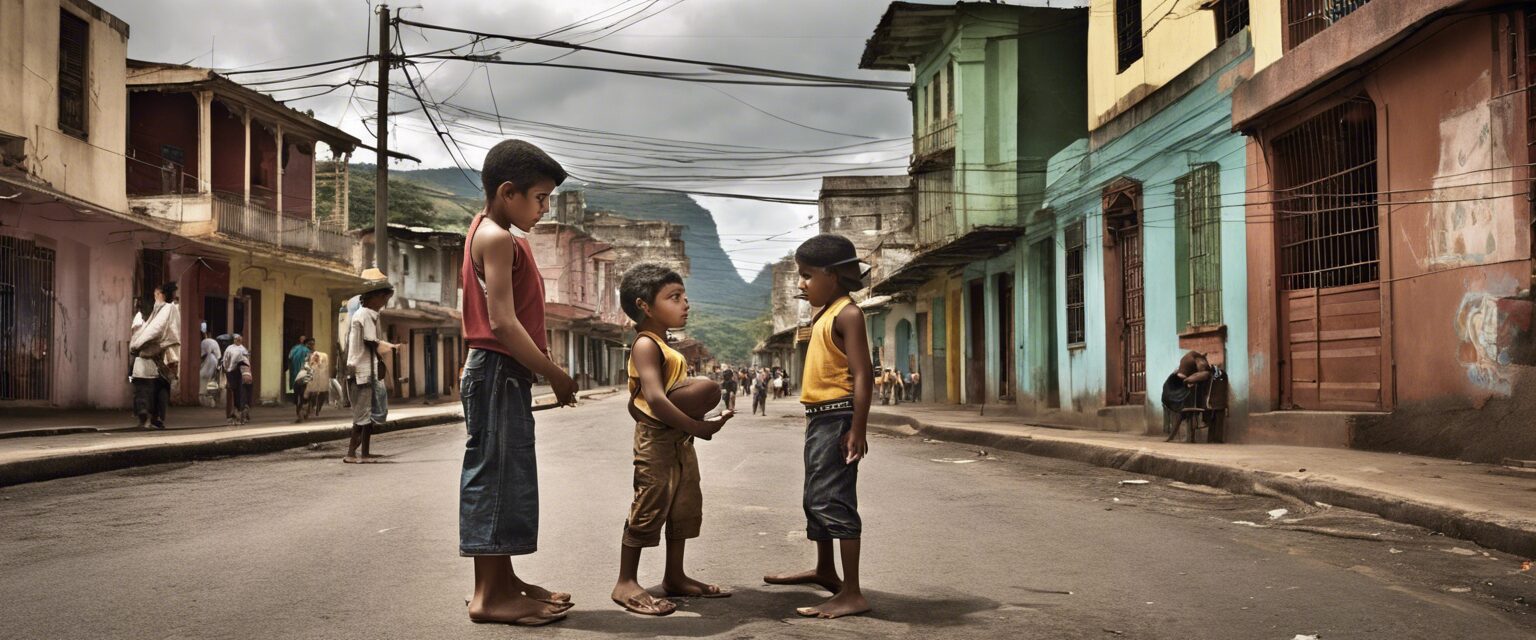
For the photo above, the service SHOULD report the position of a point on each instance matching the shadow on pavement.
(698, 617)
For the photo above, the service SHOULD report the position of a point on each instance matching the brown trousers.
(667, 489)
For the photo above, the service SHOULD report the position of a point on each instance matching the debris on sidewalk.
(1276, 514)
(1307, 637)
(1460, 551)
(1136, 482)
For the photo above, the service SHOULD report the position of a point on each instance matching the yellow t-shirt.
(674, 369)
(826, 376)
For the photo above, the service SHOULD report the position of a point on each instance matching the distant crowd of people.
(764, 383)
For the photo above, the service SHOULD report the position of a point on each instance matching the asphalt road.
(958, 545)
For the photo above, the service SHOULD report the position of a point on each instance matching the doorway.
(1124, 281)
(1005, 383)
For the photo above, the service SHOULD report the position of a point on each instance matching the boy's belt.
(833, 406)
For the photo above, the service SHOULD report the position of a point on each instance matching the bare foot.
(540, 593)
(686, 587)
(828, 581)
(636, 599)
(842, 604)
(352, 460)
(517, 609)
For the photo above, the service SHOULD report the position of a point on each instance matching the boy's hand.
(713, 425)
(855, 445)
(564, 387)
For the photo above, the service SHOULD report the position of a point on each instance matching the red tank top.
(528, 298)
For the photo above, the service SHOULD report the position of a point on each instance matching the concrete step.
(1333, 429)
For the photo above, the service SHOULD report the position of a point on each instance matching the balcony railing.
(938, 138)
(1307, 18)
(257, 224)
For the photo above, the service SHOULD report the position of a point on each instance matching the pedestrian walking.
(315, 382)
(365, 359)
(836, 394)
(297, 356)
(208, 377)
(503, 326)
(236, 365)
(917, 386)
(156, 350)
(760, 393)
(728, 388)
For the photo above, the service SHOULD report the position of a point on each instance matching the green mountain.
(727, 307)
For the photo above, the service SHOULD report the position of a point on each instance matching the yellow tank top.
(674, 369)
(826, 376)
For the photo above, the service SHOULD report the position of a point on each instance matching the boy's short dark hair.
(520, 163)
(642, 282)
(836, 254)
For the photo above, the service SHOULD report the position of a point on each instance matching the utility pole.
(381, 175)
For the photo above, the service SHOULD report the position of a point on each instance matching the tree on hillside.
(408, 204)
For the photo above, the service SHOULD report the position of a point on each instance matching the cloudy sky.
(813, 36)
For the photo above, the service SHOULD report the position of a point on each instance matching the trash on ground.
(1323, 505)
(1460, 551)
(1247, 523)
(1460, 589)
(1276, 514)
(1197, 488)
(955, 460)
(1134, 482)
(1307, 637)
(1394, 550)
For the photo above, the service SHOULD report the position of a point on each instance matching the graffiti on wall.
(1463, 229)
(1490, 327)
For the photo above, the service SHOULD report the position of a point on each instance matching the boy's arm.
(496, 251)
(647, 358)
(849, 325)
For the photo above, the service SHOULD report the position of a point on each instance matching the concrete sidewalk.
(69, 448)
(1460, 499)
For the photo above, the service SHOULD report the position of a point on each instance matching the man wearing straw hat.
(365, 346)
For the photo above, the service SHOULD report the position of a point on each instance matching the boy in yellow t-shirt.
(836, 389)
(668, 408)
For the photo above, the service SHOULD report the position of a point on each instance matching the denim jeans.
(499, 485)
(831, 499)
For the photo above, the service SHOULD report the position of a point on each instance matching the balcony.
(1307, 18)
(938, 138)
(249, 222)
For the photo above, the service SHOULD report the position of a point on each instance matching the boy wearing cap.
(370, 406)
(836, 389)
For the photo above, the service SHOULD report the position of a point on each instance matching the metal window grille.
(1197, 205)
(1307, 18)
(1077, 332)
(1231, 18)
(1325, 199)
(26, 312)
(935, 206)
(1127, 32)
(74, 43)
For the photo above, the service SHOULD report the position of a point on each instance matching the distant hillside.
(726, 303)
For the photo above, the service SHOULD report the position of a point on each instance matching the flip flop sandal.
(710, 591)
(530, 621)
(655, 608)
(566, 601)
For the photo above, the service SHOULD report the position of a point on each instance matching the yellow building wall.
(274, 283)
(1174, 38)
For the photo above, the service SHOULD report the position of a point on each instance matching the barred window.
(1307, 18)
(74, 42)
(1127, 33)
(1197, 209)
(1231, 18)
(1076, 319)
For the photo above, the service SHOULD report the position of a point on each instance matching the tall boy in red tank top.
(504, 329)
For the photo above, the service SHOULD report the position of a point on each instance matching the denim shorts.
(499, 486)
(831, 485)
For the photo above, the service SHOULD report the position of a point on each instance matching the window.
(1076, 319)
(949, 90)
(1197, 211)
(74, 40)
(1127, 32)
(1231, 18)
(1325, 199)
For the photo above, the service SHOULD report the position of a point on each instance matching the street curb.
(1489, 530)
(84, 463)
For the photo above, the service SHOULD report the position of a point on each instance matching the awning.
(876, 302)
(979, 244)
